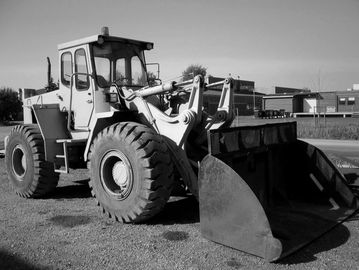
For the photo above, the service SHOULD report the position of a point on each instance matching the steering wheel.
(121, 80)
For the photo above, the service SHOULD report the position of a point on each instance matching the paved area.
(340, 146)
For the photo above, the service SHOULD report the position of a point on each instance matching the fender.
(52, 124)
(101, 121)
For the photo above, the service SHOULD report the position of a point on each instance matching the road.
(345, 154)
(347, 148)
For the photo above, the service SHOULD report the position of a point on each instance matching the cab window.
(82, 81)
(66, 68)
(119, 62)
(103, 68)
(120, 69)
(138, 73)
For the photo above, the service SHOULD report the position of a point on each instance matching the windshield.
(119, 62)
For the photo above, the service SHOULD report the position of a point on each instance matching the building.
(336, 102)
(355, 86)
(341, 103)
(290, 103)
(327, 102)
(287, 90)
(348, 101)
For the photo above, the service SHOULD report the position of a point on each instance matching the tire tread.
(157, 167)
(44, 179)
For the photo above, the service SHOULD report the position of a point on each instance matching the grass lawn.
(329, 128)
(335, 128)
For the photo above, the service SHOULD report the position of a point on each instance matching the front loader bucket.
(266, 193)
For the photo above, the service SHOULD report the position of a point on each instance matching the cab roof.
(101, 38)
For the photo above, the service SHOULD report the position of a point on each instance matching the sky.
(292, 43)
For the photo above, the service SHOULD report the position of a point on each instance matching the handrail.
(215, 84)
(179, 84)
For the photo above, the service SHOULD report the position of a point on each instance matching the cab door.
(82, 101)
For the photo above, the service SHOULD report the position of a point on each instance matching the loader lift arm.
(175, 129)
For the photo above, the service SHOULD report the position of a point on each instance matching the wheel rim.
(116, 174)
(19, 162)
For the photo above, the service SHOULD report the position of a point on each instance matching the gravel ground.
(68, 231)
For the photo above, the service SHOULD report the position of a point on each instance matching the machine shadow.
(179, 210)
(330, 240)
(74, 190)
(11, 261)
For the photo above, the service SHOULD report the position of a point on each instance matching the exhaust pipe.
(49, 80)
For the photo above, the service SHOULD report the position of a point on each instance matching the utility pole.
(254, 101)
(319, 80)
(318, 99)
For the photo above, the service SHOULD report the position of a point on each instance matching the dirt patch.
(70, 221)
(64, 243)
(175, 235)
(234, 263)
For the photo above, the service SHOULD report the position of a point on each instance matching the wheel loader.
(260, 189)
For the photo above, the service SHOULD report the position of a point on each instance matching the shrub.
(10, 104)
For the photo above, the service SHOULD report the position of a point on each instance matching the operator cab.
(123, 63)
(90, 65)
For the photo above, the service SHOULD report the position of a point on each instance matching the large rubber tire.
(131, 172)
(30, 174)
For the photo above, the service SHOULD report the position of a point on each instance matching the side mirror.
(153, 76)
(152, 72)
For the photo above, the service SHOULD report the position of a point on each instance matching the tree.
(10, 104)
(194, 70)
